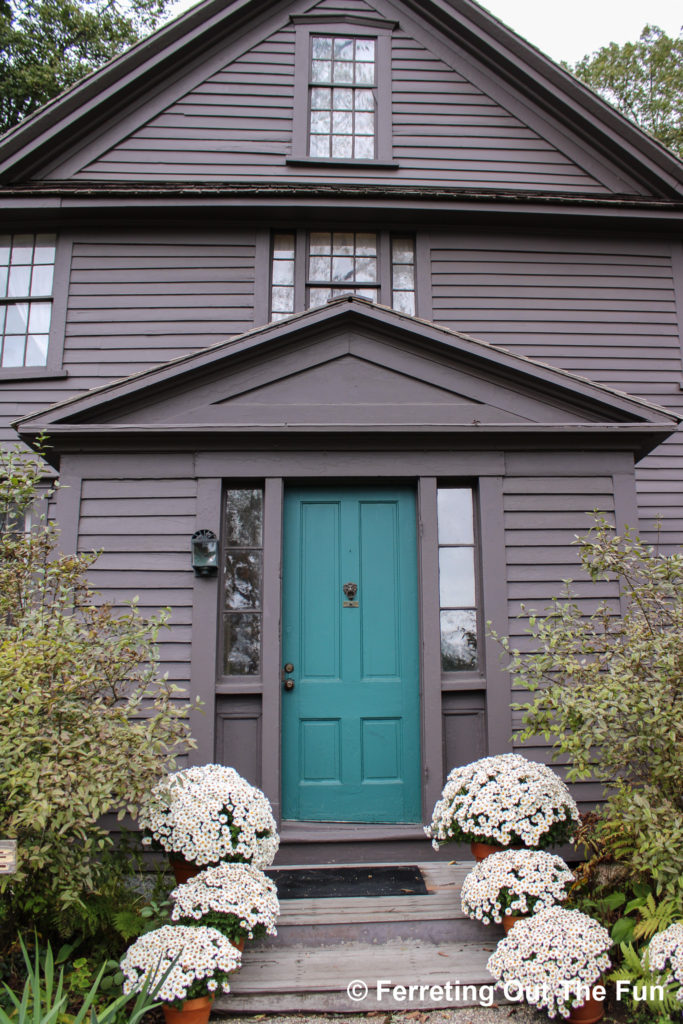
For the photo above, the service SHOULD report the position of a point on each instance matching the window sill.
(331, 161)
(31, 373)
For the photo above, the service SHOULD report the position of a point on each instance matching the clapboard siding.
(141, 529)
(134, 304)
(605, 309)
(446, 130)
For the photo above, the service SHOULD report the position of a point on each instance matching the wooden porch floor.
(324, 944)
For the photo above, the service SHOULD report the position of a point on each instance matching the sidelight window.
(457, 583)
(242, 581)
(26, 278)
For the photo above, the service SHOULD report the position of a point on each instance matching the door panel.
(351, 726)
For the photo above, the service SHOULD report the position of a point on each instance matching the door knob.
(289, 684)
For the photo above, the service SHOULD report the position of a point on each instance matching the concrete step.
(317, 979)
(323, 945)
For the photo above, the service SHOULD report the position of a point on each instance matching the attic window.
(342, 115)
(342, 91)
(26, 276)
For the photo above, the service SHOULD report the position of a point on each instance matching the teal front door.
(351, 719)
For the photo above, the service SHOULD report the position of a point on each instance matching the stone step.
(316, 978)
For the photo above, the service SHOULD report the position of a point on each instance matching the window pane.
(366, 269)
(320, 145)
(45, 249)
(321, 71)
(17, 318)
(342, 122)
(22, 249)
(366, 244)
(342, 268)
(3, 280)
(342, 99)
(342, 243)
(402, 250)
(41, 280)
(39, 317)
(318, 297)
(365, 74)
(343, 72)
(242, 644)
(322, 48)
(365, 147)
(243, 579)
(321, 99)
(282, 299)
(455, 515)
(364, 99)
(342, 146)
(320, 268)
(456, 577)
(458, 641)
(283, 247)
(244, 517)
(19, 281)
(320, 243)
(364, 124)
(36, 350)
(365, 49)
(403, 277)
(13, 350)
(283, 272)
(404, 302)
(343, 49)
(5, 243)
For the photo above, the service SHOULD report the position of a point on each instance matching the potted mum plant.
(503, 801)
(197, 962)
(554, 959)
(513, 884)
(237, 899)
(664, 955)
(208, 814)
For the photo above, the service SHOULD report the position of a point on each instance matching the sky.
(569, 29)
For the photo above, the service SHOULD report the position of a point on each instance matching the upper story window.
(26, 277)
(342, 91)
(309, 269)
(342, 116)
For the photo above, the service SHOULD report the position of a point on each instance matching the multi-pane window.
(457, 589)
(243, 581)
(342, 120)
(26, 273)
(342, 263)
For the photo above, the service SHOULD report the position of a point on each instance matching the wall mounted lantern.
(205, 553)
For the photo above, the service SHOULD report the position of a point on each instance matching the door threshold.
(351, 831)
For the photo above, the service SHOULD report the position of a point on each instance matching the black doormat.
(324, 883)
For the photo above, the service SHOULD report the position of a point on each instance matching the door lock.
(289, 684)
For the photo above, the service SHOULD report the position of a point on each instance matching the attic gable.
(225, 114)
(353, 366)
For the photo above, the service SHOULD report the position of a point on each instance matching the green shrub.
(87, 725)
(609, 693)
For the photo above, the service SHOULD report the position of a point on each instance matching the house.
(387, 303)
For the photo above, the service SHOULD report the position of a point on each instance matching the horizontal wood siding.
(543, 515)
(603, 309)
(237, 125)
(142, 527)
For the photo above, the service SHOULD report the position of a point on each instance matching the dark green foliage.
(643, 80)
(48, 45)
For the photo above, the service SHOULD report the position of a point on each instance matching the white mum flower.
(515, 882)
(503, 800)
(237, 897)
(665, 955)
(208, 814)
(201, 955)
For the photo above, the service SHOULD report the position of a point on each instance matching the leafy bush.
(610, 695)
(87, 725)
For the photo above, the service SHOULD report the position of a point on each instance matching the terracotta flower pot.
(238, 945)
(480, 851)
(591, 1011)
(183, 869)
(193, 1011)
(510, 920)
